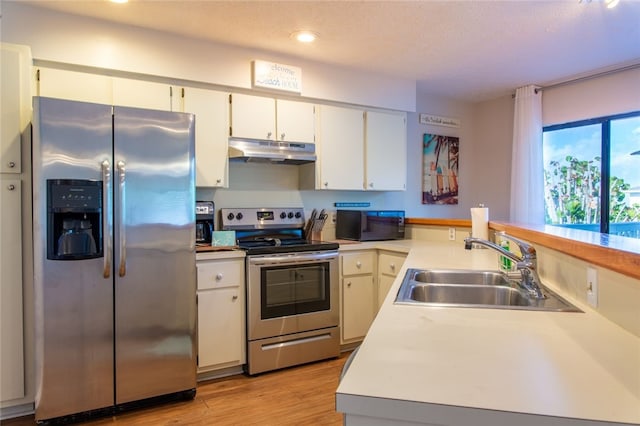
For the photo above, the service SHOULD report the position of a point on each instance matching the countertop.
(465, 366)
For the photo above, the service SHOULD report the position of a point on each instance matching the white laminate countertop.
(467, 366)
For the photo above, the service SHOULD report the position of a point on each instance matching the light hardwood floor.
(302, 395)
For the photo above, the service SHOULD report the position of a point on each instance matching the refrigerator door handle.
(122, 269)
(107, 241)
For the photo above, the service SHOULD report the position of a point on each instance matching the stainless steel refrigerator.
(114, 256)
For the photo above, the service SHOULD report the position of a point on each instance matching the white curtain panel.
(527, 176)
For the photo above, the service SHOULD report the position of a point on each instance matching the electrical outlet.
(452, 234)
(592, 287)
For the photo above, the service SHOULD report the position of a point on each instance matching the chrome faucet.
(526, 263)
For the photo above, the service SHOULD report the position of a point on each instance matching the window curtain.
(527, 169)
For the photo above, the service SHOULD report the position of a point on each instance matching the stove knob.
(230, 216)
(283, 215)
(298, 215)
(239, 216)
(290, 215)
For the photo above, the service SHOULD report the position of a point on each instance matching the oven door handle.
(292, 258)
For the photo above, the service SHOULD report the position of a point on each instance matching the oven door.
(292, 292)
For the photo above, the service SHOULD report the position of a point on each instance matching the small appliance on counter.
(370, 225)
(204, 222)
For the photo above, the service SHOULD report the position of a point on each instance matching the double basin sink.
(474, 288)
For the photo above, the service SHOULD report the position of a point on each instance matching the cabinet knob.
(219, 276)
(269, 135)
(393, 266)
(12, 164)
(349, 284)
(11, 187)
(234, 297)
(282, 137)
(370, 184)
(358, 264)
(326, 184)
(218, 180)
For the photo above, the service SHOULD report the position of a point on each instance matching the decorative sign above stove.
(269, 75)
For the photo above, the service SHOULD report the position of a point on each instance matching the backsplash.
(269, 185)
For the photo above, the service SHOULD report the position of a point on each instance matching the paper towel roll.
(480, 222)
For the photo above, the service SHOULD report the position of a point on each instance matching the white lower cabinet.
(221, 314)
(388, 266)
(358, 293)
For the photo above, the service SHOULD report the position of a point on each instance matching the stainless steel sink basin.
(471, 288)
(468, 294)
(490, 278)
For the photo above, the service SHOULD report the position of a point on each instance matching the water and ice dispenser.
(74, 219)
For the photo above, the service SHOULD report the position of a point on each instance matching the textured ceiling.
(472, 50)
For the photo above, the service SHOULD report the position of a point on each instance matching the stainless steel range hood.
(268, 151)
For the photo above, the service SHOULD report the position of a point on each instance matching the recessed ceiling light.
(304, 36)
(611, 3)
(119, 1)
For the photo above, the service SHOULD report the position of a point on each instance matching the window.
(578, 157)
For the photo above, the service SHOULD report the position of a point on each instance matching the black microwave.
(370, 225)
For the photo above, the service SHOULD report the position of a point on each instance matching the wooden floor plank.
(302, 395)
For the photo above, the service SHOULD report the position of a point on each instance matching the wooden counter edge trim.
(465, 223)
(621, 261)
(618, 260)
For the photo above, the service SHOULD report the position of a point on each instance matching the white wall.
(485, 134)
(71, 39)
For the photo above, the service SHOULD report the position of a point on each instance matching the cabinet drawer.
(390, 264)
(218, 274)
(358, 263)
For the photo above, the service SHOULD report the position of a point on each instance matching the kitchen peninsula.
(465, 366)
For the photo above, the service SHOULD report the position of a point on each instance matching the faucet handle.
(526, 249)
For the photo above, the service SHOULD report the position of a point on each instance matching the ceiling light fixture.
(304, 36)
(611, 3)
(119, 1)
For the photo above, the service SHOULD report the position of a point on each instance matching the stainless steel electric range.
(292, 288)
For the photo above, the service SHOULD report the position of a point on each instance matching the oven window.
(294, 289)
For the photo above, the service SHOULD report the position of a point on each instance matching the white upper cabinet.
(15, 104)
(253, 117)
(386, 151)
(74, 86)
(295, 121)
(257, 117)
(103, 89)
(340, 148)
(141, 94)
(212, 128)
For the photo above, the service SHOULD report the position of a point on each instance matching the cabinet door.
(15, 104)
(212, 129)
(253, 117)
(386, 151)
(295, 121)
(357, 306)
(384, 284)
(220, 327)
(75, 86)
(11, 328)
(341, 148)
(141, 94)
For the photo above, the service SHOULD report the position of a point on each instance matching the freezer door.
(73, 298)
(154, 257)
